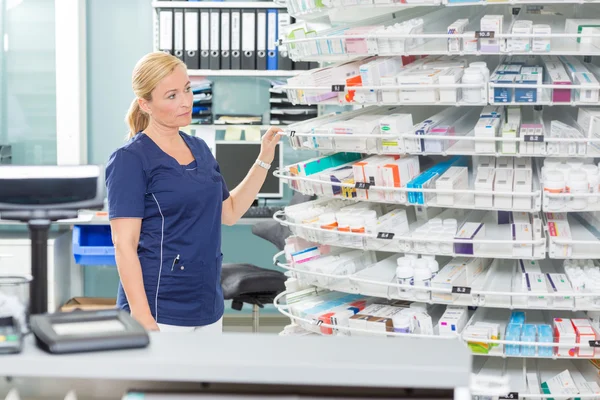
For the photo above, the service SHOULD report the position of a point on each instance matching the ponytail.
(148, 72)
(136, 119)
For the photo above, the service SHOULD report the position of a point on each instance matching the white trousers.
(216, 327)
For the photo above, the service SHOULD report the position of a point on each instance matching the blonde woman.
(167, 201)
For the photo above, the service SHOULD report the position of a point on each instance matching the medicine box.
(457, 27)
(505, 162)
(453, 321)
(486, 127)
(585, 333)
(559, 283)
(582, 26)
(559, 230)
(502, 94)
(535, 283)
(539, 44)
(520, 44)
(513, 333)
(528, 95)
(565, 337)
(491, 112)
(492, 23)
(586, 95)
(484, 183)
(452, 274)
(559, 76)
(522, 184)
(449, 76)
(484, 162)
(469, 231)
(455, 178)
(475, 267)
(503, 182)
(528, 334)
(522, 163)
(521, 232)
(510, 130)
(532, 147)
(389, 96)
(561, 384)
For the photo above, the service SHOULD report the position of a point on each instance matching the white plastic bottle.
(402, 323)
(422, 277)
(554, 183)
(432, 264)
(578, 183)
(482, 66)
(472, 94)
(404, 274)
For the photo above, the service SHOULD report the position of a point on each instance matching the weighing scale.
(39, 195)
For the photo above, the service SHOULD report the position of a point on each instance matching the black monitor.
(235, 159)
(39, 195)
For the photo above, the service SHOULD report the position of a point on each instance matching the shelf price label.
(533, 138)
(338, 88)
(461, 290)
(385, 235)
(362, 185)
(510, 396)
(594, 343)
(485, 34)
(292, 134)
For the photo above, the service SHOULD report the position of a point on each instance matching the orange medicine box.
(585, 332)
(565, 337)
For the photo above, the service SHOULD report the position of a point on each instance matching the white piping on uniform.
(162, 233)
(191, 169)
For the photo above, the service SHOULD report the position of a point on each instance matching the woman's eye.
(188, 89)
(172, 96)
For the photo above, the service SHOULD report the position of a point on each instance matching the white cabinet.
(64, 276)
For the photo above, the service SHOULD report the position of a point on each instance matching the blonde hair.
(148, 72)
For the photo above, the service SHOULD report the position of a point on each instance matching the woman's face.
(172, 100)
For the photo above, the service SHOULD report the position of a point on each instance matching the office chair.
(250, 284)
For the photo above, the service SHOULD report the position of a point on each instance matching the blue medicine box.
(92, 245)
(503, 95)
(526, 95)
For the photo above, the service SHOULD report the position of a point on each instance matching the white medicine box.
(522, 184)
(484, 184)
(455, 178)
(503, 182)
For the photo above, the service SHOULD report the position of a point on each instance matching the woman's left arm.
(242, 197)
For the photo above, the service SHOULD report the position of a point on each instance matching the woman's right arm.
(126, 187)
(125, 236)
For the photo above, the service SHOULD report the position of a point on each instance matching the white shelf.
(216, 4)
(511, 376)
(584, 242)
(495, 244)
(242, 72)
(324, 328)
(463, 199)
(500, 287)
(497, 347)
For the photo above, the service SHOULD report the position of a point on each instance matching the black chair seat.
(247, 283)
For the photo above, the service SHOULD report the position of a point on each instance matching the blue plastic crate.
(92, 245)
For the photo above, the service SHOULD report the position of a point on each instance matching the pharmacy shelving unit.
(493, 295)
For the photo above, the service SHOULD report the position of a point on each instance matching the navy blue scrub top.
(180, 238)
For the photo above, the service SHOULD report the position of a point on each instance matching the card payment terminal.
(11, 337)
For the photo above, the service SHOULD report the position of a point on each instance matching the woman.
(166, 202)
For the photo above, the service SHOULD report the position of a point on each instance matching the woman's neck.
(162, 134)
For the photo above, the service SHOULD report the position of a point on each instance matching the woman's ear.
(144, 106)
